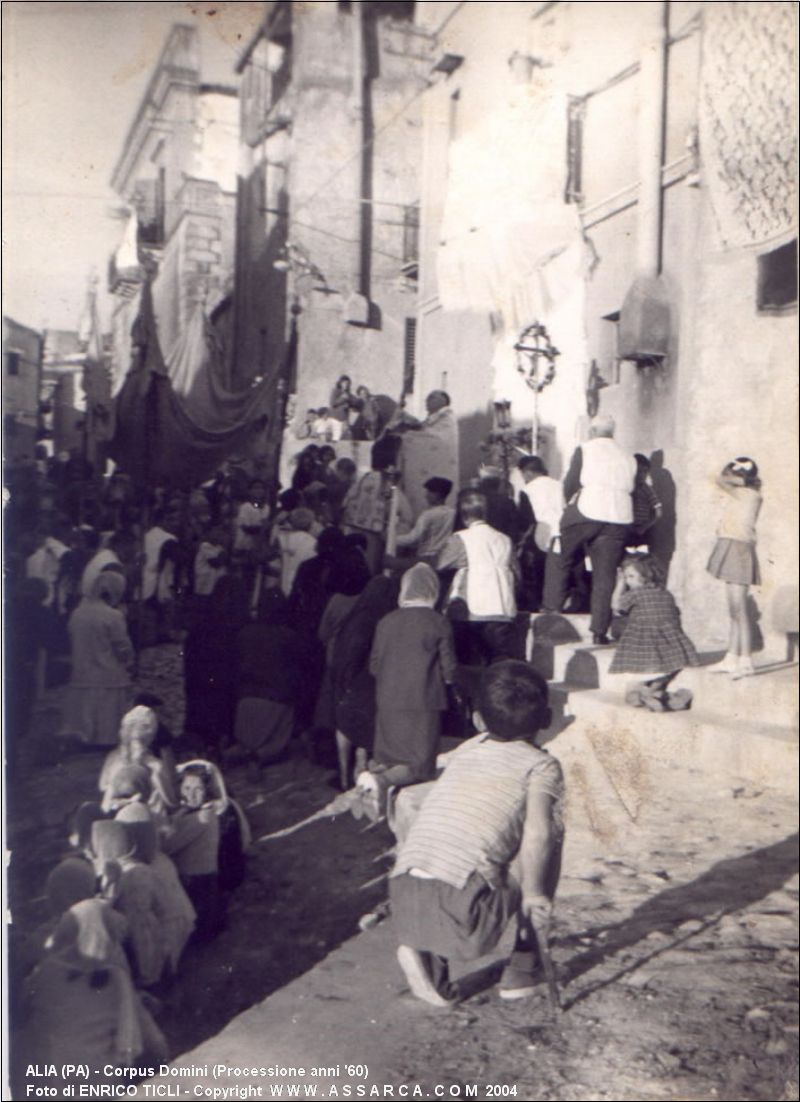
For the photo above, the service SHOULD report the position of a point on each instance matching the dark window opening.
(777, 279)
(409, 355)
(576, 113)
(394, 9)
(453, 116)
(411, 234)
(149, 198)
(11, 363)
(609, 354)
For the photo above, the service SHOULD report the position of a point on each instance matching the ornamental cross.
(533, 347)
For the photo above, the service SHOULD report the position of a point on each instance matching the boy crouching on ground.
(485, 846)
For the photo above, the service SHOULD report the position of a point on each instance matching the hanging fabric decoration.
(161, 438)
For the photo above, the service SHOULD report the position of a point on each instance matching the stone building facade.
(176, 174)
(622, 175)
(328, 199)
(22, 370)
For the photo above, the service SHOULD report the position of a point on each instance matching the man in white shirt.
(546, 499)
(598, 487)
(483, 559)
(45, 564)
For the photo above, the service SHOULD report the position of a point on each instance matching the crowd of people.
(350, 415)
(325, 618)
(147, 868)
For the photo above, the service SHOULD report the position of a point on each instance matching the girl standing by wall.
(734, 560)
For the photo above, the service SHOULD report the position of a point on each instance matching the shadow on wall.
(472, 431)
(662, 537)
(754, 616)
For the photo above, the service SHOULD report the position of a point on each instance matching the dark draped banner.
(163, 439)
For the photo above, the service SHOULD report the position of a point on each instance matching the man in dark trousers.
(598, 487)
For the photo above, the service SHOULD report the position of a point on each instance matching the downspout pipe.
(357, 111)
(357, 308)
(652, 111)
(645, 317)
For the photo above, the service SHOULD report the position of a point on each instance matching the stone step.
(729, 744)
(769, 697)
(550, 629)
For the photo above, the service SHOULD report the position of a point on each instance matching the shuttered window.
(409, 355)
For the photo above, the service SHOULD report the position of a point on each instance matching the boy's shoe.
(517, 983)
(419, 980)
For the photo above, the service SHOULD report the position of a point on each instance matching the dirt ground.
(676, 945)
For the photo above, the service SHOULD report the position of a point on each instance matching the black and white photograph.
(400, 550)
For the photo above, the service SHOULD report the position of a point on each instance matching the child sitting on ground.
(485, 846)
(137, 733)
(652, 639)
(129, 883)
(192, 841)
(178, 915)
(81, 1005)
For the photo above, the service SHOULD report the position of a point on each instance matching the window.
(410, 234)
(609, 348)
(576, 113)
(409, 355)
(453, 116)
(11, 361)
(149, 200)
(777, 279)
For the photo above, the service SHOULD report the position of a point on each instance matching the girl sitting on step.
(652, 639)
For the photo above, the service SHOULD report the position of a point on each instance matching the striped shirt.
(473, 818)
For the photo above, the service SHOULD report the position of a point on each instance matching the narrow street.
(675, 942)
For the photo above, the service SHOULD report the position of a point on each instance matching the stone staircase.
(743, 732)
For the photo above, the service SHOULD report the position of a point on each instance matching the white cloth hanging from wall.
(505, 223)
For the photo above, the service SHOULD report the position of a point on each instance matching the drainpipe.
(644, 327)
(652, 103)
(357, 304)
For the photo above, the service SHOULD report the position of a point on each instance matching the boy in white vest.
(598, 487)
(483, 560)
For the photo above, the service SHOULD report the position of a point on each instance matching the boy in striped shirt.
(485, 846)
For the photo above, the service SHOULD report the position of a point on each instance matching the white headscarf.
(419, 587)
(139, 723)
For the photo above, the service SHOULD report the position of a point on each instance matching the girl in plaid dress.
(652, 640)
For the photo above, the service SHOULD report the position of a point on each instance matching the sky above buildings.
(73, 77)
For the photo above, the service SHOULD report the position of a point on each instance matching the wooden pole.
(391, 528)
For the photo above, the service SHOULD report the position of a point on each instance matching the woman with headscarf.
(99, 689)
(192, 839)
(275, 666)
(136, 734)
(208, 670)
(412, 661)
(80, 1002)
(353, 684)
(129, 883)
(178, 916)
